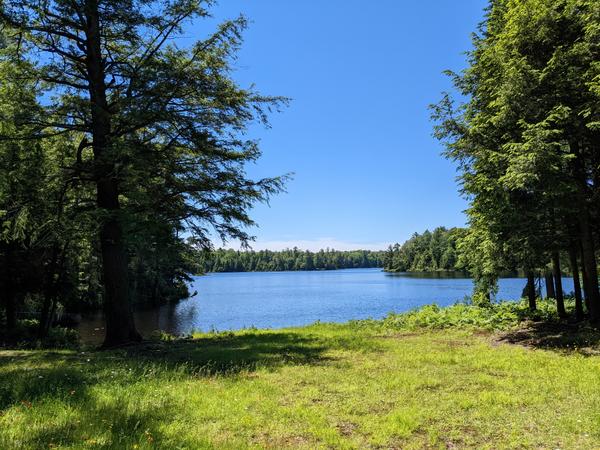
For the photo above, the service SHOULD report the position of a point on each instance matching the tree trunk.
(584, 279)
(120, 328)
(576, 286)
(10, 308)
(10, 291)
(531, 290)
(592, 293)
(560, 302)
(49, 293)
(550, 293)
(44, 324)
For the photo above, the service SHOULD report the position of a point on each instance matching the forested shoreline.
(229, 260)
(430, 251)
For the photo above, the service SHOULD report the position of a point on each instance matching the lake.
(231, 301)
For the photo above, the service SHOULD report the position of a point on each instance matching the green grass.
(400, 383)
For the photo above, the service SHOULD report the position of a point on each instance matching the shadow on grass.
(66, 376)
(41, 381)
(110, 424)
(229, 354)
(24, 385)
(556, 336)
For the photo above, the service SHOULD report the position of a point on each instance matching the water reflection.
(434, 275)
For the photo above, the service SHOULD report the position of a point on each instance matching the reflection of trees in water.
(172, 318)
(177, 319)
(433, 275)
(163, 318)
(182, 318)
(91, 328)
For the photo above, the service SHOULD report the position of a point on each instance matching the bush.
(496, 316)
(25, 335)
(162, 336)
(60, 337)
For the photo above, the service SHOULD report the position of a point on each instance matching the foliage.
(25, 335)
(229, 260)
(427, 252)
(123, 149)
(496, 316)
(523, 130)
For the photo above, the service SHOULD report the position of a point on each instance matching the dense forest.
(122, 154)
(430, 251)
(291, 259)
(525, 132)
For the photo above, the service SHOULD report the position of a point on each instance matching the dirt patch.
(453, 343)
(277, 442)
(401, 335)
(564, 337)
(346, 428)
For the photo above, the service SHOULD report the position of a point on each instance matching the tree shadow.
(24, 385)
(110, 424)
(68, 378)
(562, 337)
(228, 353)
(28, 376)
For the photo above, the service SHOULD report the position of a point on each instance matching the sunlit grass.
(324, 386)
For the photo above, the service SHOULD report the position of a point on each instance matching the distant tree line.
(229, 260)
(430, 251)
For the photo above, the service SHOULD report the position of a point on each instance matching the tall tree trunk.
(576, 285)
(120, 327)
(10, 291)
(531, 290)
(584, 278)
(45, 319)
(560, 302)
(10, 308)
(550, 292)
(592, 292)
(49, 293)
(588, 262)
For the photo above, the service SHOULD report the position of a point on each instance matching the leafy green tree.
(426, 252)
(22, 213)
(526, 139)
(160, 126)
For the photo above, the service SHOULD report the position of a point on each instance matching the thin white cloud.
(312, 245)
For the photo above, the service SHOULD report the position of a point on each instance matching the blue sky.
(357, 133)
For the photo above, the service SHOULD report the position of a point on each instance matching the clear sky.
(357, 133)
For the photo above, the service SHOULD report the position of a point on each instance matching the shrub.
(496, 316)
(25, 335)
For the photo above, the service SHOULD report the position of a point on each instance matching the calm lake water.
(230, 301)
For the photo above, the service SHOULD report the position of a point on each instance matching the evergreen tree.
(158, 124)
(527, 140)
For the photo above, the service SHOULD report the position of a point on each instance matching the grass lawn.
(355, 385)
